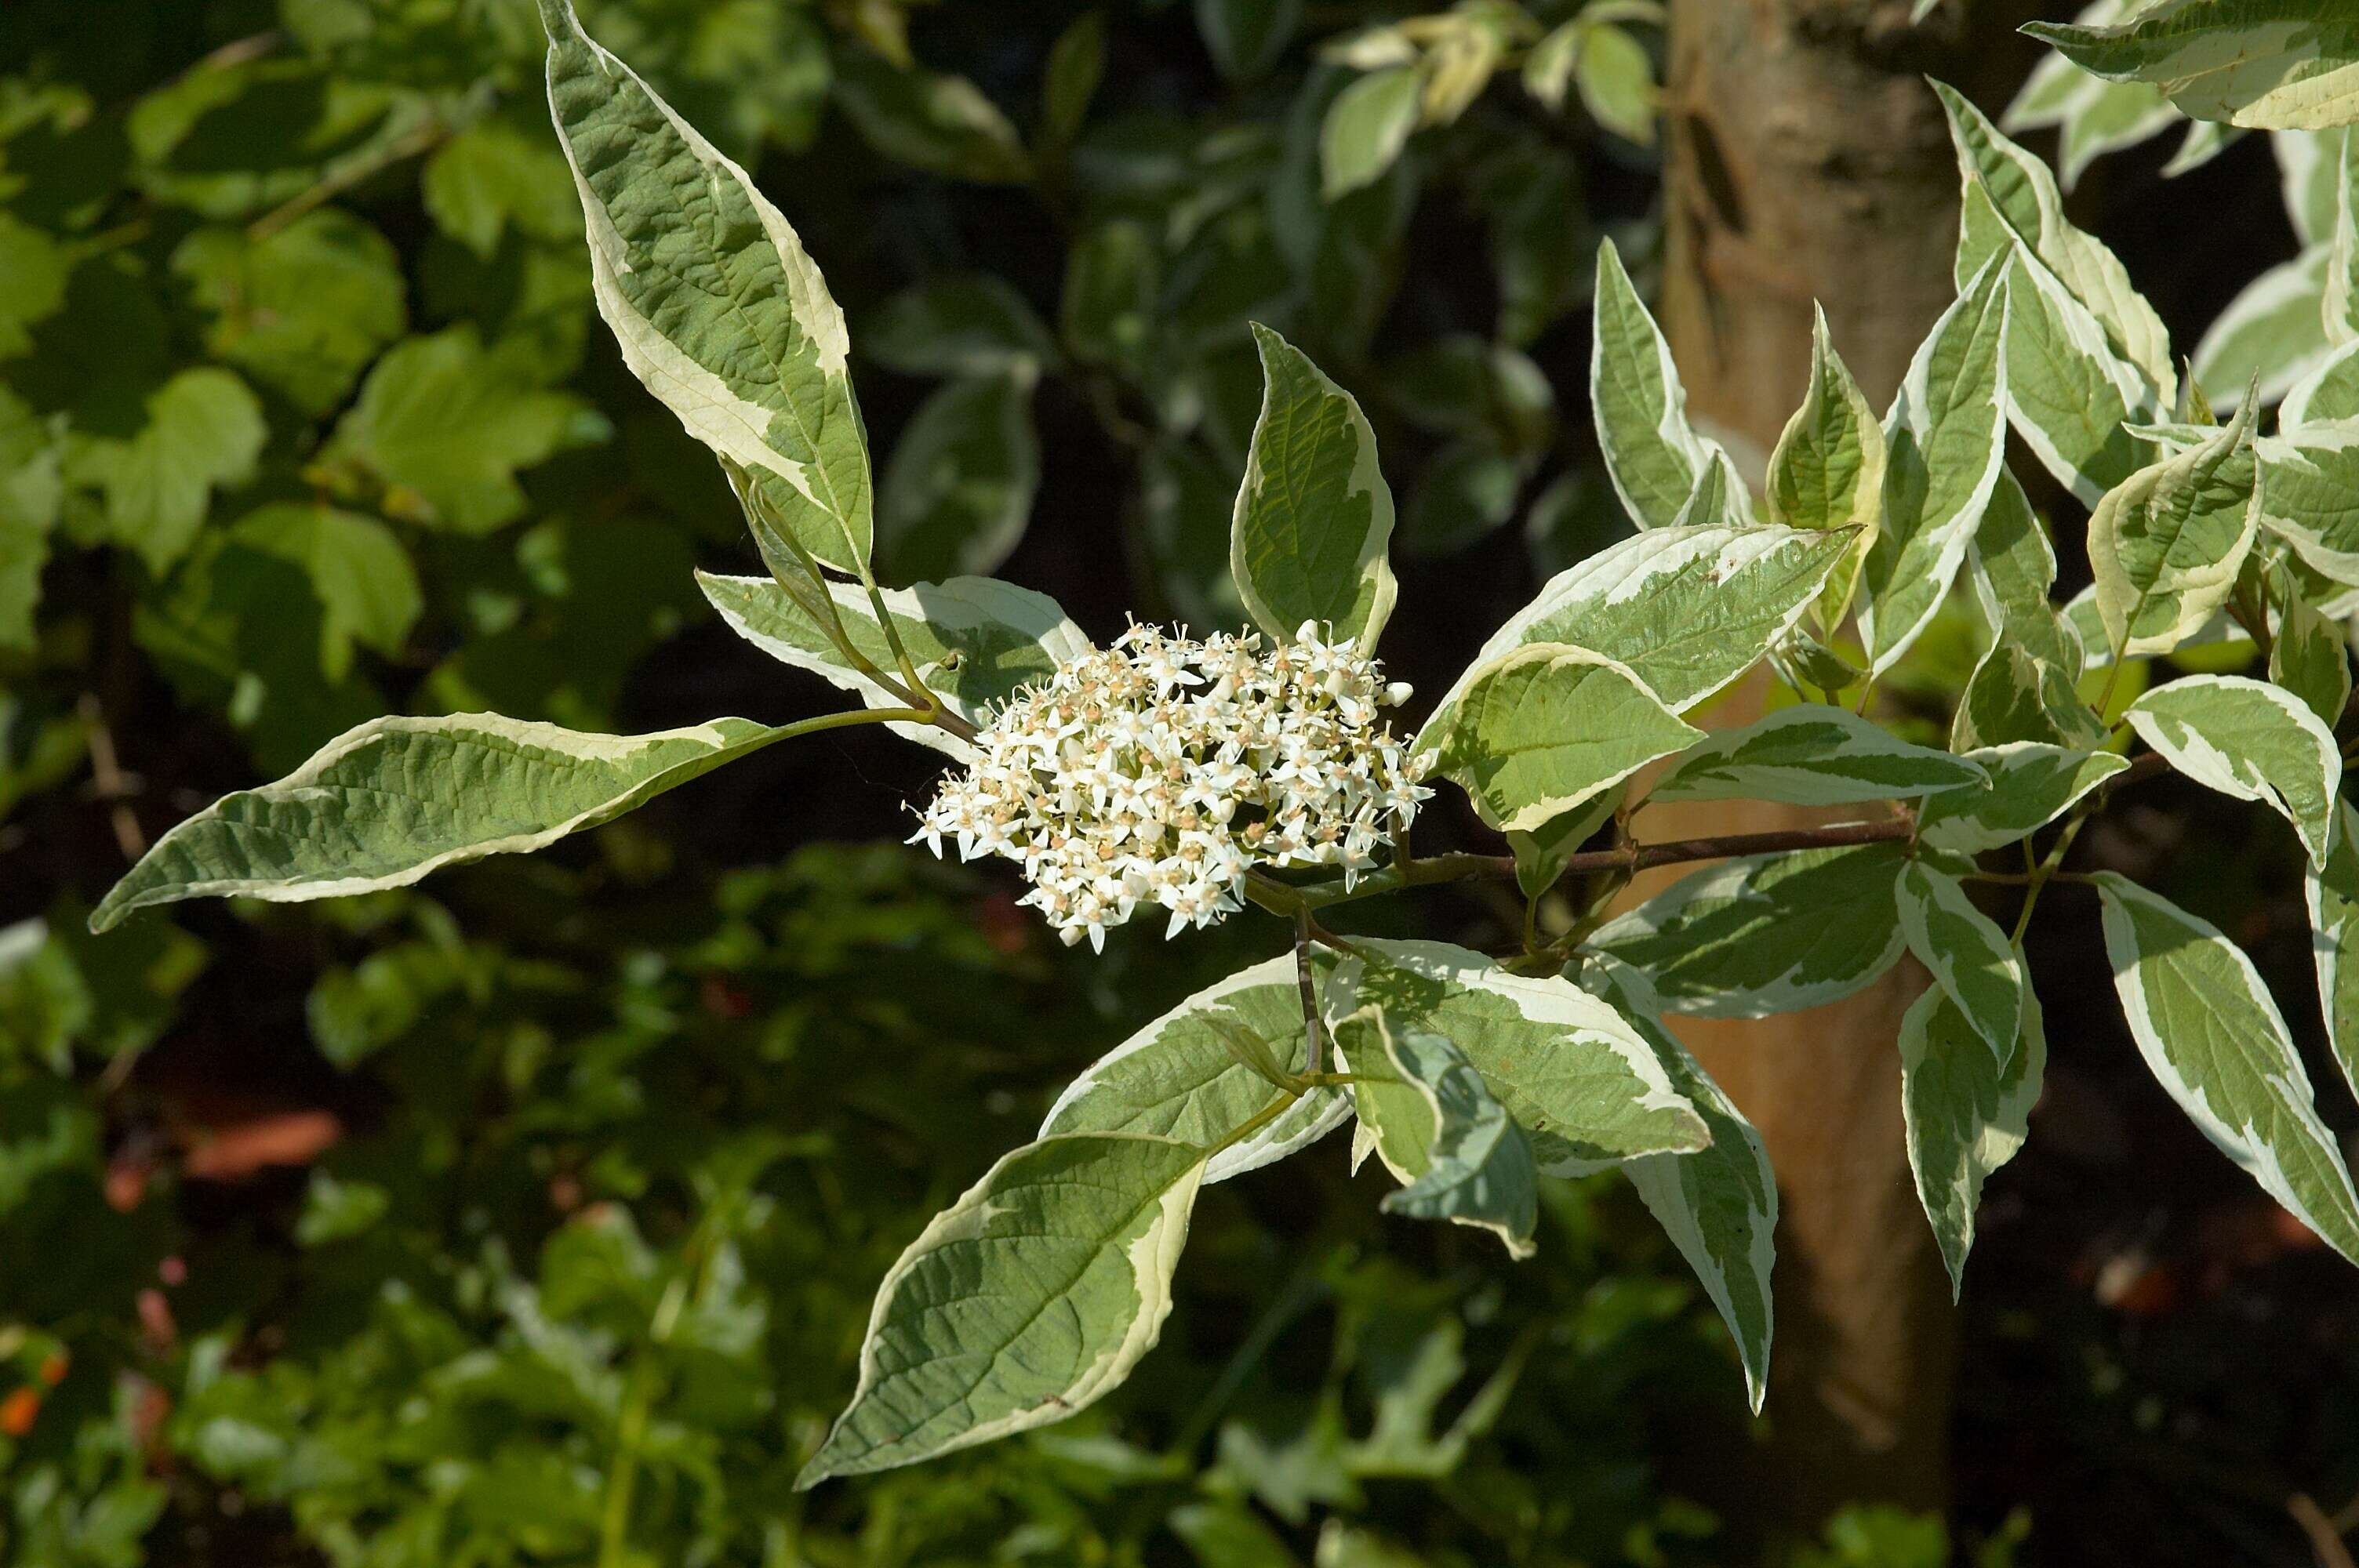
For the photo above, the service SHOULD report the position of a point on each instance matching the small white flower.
(1158, 771)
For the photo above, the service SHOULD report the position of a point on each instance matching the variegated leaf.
(974, 639)
(1765, 934)
(1966, 1112)
(1315, 516)
(391, 800)
(2249, 739)
(1814, 754)
(1029, 1299)
(1969, 957)
(1946, 444)
(1585, 1088)
(1719, 1206)
(711, 298)
(1652, 454)
(2215, 1040)
(1687, 610)
(2032, 784)
(1178, 1077)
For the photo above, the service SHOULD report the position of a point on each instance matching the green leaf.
(1687, 610)
(201, 430)
(2216, 1043)
(1719, 1204)
(1813, 756)
(493, 176)
(338, 1211)
(1804, 663)
(1245, 37)
(974, 639)
(303, 310)
(960, 326)
(1186, 500)
(241, 633)
(1076, 67)
(399, 797)
(1970, 957)
(711, 298)
(1113, 273)
(2333, 889)
(1469, 489)
(1313, 515)
(1026, 1301)
(2309, 656)
(1652, 455)
(1463, 385)
(1579, 1080)
(368, 591)
(1366, 127)
(2271, 328)
(1946, 440)
(1828, 469)
(1542, 852)
(2307, 495)
(2031, 784)
(1719, 496)
(941, 124)
(447, 425)
(1541, 728)
(2165, 544)
(2021, 194)
(958, 489)
(1229, 1534)
(2267, 64)
(239, 136)
(1549, 65)
(30, 491)
(1966, 1112)
(34, 267)
(1178, 1078)
(2249, 739)
(1615, 76)
(1765, 934)
(1442, 1133)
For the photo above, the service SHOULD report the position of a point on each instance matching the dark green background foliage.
(533, 1217)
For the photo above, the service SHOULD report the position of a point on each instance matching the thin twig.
(421, 138)
(113, 786)
(2324, 1539)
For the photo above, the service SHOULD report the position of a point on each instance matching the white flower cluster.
(1161, 770)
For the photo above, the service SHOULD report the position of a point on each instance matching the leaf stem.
(893, 635)
(915, 693)
(851, 717)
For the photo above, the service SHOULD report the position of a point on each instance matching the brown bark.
(1809, 160)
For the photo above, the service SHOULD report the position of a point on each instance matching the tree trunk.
(1809, 160)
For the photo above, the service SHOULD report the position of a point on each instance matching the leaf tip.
(557, 20)
(114, 908)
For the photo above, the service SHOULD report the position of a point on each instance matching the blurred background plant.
(532, 1217)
